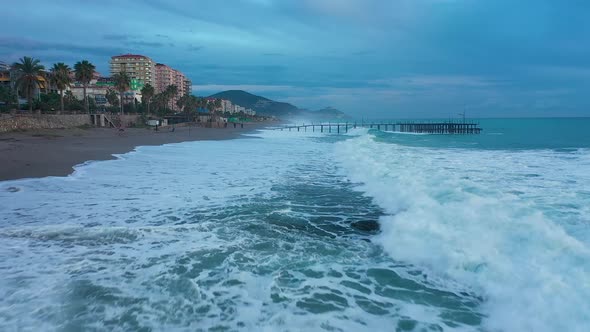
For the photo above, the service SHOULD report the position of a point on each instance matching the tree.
(69, 97)
(147, 93)
(29, 73)
(122, 83)
(7, 97)
(112, 97)
(72, 102)
(84, 72)
(60, 76)
(48, 102)
(210, 106)
(170, 92)
(182, 102)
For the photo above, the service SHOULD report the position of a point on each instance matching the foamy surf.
(275, 234)
(452, 213)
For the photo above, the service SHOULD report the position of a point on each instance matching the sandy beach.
(53, 152)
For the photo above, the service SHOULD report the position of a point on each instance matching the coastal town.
(55, 117)
(135, 84)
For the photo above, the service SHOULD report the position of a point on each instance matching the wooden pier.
(402, 127)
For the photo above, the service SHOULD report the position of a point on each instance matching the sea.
(305, 231)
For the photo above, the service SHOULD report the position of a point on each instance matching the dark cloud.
(29, 45)
(384, 53)
(193, 48)
(116, 37)
(149, 44)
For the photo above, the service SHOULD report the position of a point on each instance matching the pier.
(442, 128)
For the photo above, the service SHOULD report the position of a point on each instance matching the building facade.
(188, 86)
(4, 66)
(166, 76)
(140, 68)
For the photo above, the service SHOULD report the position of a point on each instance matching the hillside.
(260, 104)
(265, 106)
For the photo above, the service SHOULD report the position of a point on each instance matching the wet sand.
(53, 152)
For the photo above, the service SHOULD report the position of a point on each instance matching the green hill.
(260, 104)
(265, 106)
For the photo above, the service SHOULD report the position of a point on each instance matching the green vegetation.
(7, 98)
(47, 102)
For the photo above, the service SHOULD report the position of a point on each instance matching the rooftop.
(130, 56)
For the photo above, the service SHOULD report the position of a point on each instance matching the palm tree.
(122, 83)
(60, 75)
(84, 73)
(29, 73)
(147, 92)
(171, 91)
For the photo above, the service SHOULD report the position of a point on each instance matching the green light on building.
(136, 84)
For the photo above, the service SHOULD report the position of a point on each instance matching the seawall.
(19, 122)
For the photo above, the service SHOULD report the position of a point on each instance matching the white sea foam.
(159, 239)
(406, 133)
(512, 226)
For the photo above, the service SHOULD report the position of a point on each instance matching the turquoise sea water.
(274, 232)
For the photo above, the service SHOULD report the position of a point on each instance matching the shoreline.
(55, 152)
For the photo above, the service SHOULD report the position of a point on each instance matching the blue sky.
(373, 58)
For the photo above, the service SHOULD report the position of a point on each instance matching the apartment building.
(188, 86)
(165, 76)
(140, 68)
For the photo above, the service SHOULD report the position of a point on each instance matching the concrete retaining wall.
(42, 121)
(51, 121)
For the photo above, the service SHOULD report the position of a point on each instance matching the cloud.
(30, 45)
(116, 37)
(432, 81)
(382, 55)
(194, 48)
(143, 43)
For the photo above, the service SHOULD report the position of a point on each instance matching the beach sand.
(53, 152)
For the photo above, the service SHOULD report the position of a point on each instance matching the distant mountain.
(328, 113)
(265, 106)
(260, 104)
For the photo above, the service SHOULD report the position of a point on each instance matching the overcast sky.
(381, 58)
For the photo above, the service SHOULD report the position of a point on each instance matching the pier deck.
(441, 128)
